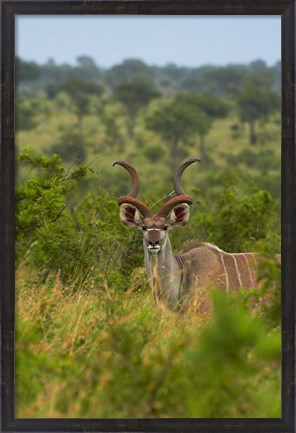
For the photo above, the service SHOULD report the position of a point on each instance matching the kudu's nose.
(153, 243)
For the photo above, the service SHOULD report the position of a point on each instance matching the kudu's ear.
(129, 215)
(179, 215)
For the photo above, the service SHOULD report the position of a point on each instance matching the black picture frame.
(10, 8)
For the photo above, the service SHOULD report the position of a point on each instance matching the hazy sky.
(184, 40)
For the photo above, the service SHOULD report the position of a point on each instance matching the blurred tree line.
(189, 101)
(219, 80)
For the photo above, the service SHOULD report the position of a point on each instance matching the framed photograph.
(121, 121)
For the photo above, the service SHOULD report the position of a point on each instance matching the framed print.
(99, 161)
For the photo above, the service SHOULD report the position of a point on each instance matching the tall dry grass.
(108, 353)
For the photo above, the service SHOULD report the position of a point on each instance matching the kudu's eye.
(144, 228)
(165, 227)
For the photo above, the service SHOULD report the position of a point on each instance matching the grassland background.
(90, 342)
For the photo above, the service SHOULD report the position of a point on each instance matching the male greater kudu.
(175, 277)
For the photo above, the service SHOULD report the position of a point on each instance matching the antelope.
(199, 266)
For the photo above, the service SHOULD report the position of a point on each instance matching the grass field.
(102, 352)
(95, 345)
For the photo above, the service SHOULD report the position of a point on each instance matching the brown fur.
(229, 271)
(190, 245)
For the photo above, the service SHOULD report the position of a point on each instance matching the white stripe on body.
(238, 273)
(225, 271)
(250, 273)
(236, 266)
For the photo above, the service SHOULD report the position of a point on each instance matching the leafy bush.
(54, 233)
(240, 222)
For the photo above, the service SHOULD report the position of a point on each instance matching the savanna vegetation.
(90, 341)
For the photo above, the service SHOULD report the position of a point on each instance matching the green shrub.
(239, 222)
(58, 231)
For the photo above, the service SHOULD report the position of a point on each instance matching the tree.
(224, 81)
(85, 61)
(30, 111)
(80, 92)
(169, 77)
(208, 108)
(176, 122)
(71, 145)
(26, 71)
(126, 71)
(113, 136)
(25, 114)
(260, 75)
(135, 95)
(211, 105)
(219, 81)
(87, 70)
(51, 90)
(255, 103)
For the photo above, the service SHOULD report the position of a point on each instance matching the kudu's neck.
(164, 275)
